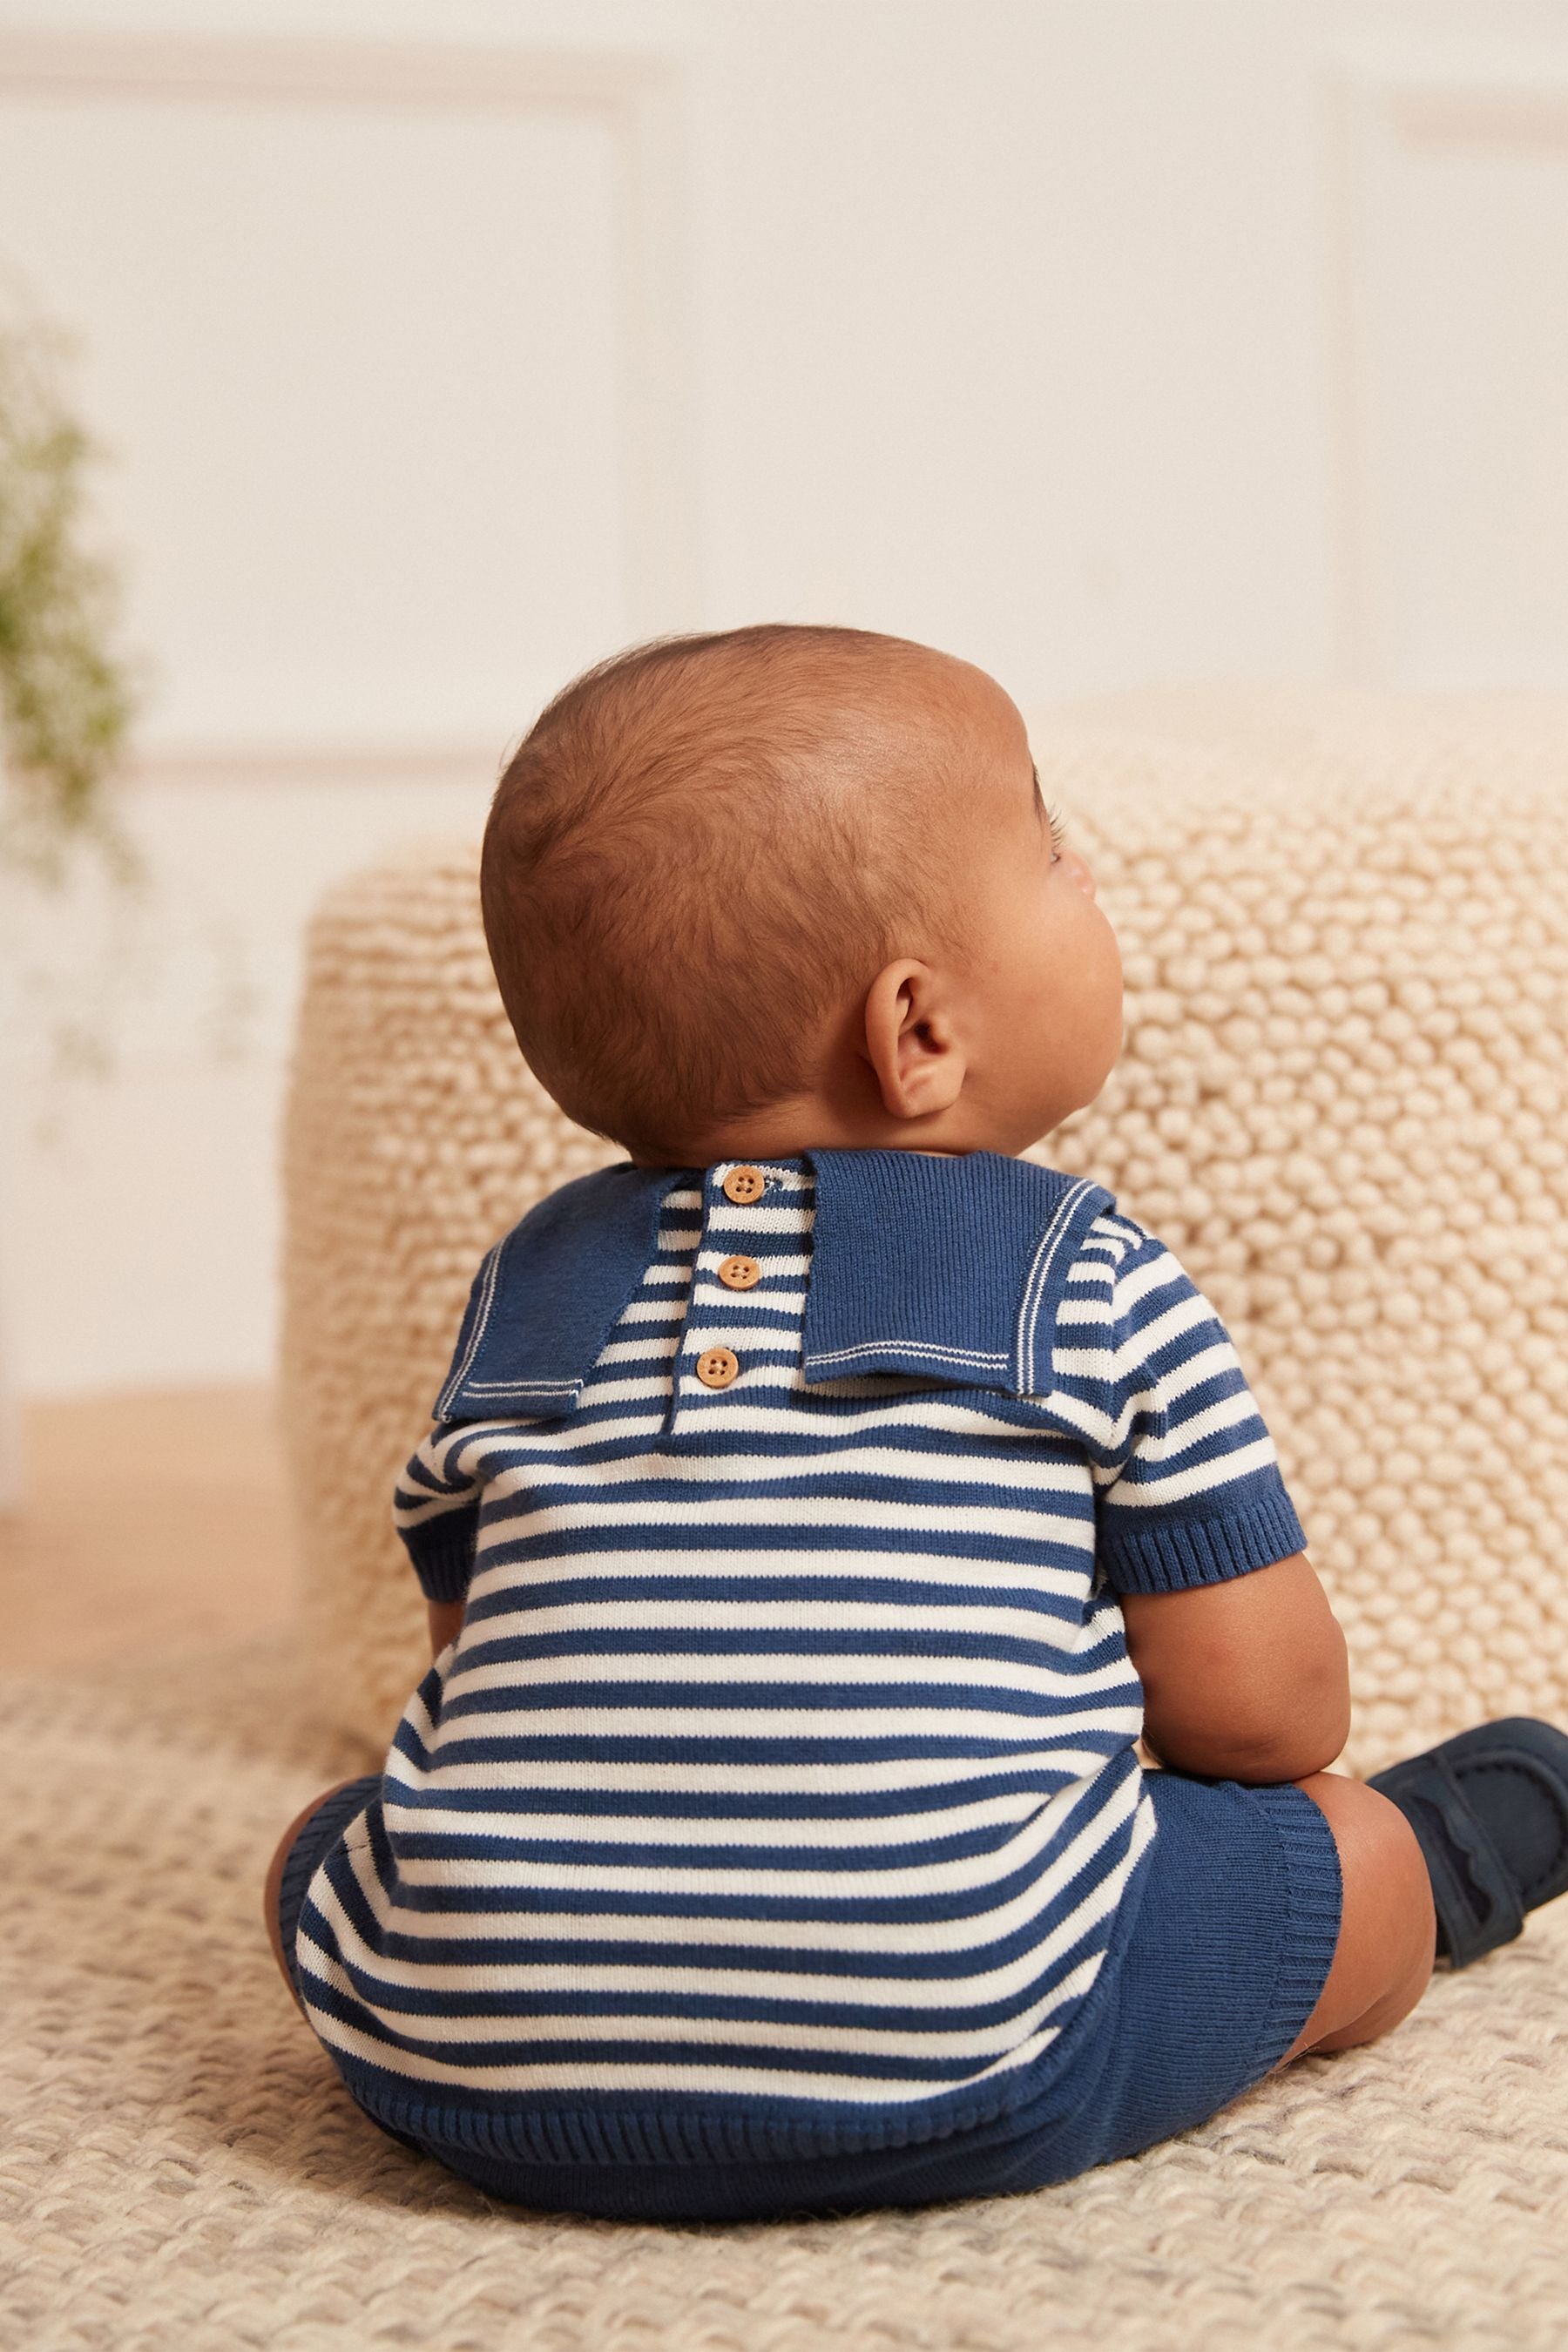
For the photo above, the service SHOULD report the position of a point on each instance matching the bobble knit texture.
(1344, 924)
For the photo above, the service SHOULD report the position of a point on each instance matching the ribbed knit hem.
(1174, 1555)
(445, 1563)
(1314, 1895)
(649, 2135)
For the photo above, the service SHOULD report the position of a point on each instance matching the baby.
(822, 1503)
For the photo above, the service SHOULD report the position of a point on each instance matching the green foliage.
(66, 699)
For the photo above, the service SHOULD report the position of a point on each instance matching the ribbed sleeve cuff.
(443, 1560)
(1172, 1555)
(1314, 1898)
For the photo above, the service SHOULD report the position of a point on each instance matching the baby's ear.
(912, 1041)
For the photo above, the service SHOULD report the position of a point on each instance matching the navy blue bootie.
(1489, 1810)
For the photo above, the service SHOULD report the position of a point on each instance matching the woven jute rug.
(179, 2166)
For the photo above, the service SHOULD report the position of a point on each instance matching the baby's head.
(784, 887)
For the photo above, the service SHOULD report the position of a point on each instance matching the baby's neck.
(821, 1122)
(739, 1152)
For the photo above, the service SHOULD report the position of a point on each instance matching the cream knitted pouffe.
(1345, 928)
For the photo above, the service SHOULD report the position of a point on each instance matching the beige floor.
(151, 1523)
(182, 2167)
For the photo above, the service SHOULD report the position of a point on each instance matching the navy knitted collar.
(950, 1268)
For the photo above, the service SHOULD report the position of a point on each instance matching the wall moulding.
(1520, 119)
(1481, 104)
(638, 98)
(268, 68)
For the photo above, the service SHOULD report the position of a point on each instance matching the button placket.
(710, 1361)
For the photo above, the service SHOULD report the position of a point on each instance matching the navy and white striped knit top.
(780, 1792)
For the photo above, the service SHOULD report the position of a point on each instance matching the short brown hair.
(698, 855)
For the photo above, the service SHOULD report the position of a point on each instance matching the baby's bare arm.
(446, 1623)
(1246, 1680)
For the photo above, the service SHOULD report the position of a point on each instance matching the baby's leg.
(1384, 1957)
(274, 1882)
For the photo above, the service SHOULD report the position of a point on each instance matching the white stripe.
(807, 1668)
(417, 1717)
(676, 1722)
(847, 1990)
(970, 1619)
(1080, 1311)
(1023, 1472)
(1229, 1413)
(1111, 1433)
(784, 1510)
(884, 1566)
(830, 1783)
(864, 1991)
(651, 1350)
(943, 1416)
(406, 1515)
(820, 1834)
(1158, 1272)
(889, 1671)
(861, 1938)
(718, 2032)
(1203, 1478)
(724, 1217)
(709, 1293)
(872, 2089)
(1112, 1363)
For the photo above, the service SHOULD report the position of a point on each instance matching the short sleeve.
(436, 1511)
(1187, 1484)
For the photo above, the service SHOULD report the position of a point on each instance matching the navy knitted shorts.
(1231, 1938)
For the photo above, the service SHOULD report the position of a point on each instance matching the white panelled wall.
(440, 347)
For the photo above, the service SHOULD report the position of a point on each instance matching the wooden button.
(739, 1274)
(717, 1366)
(746, 1184)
